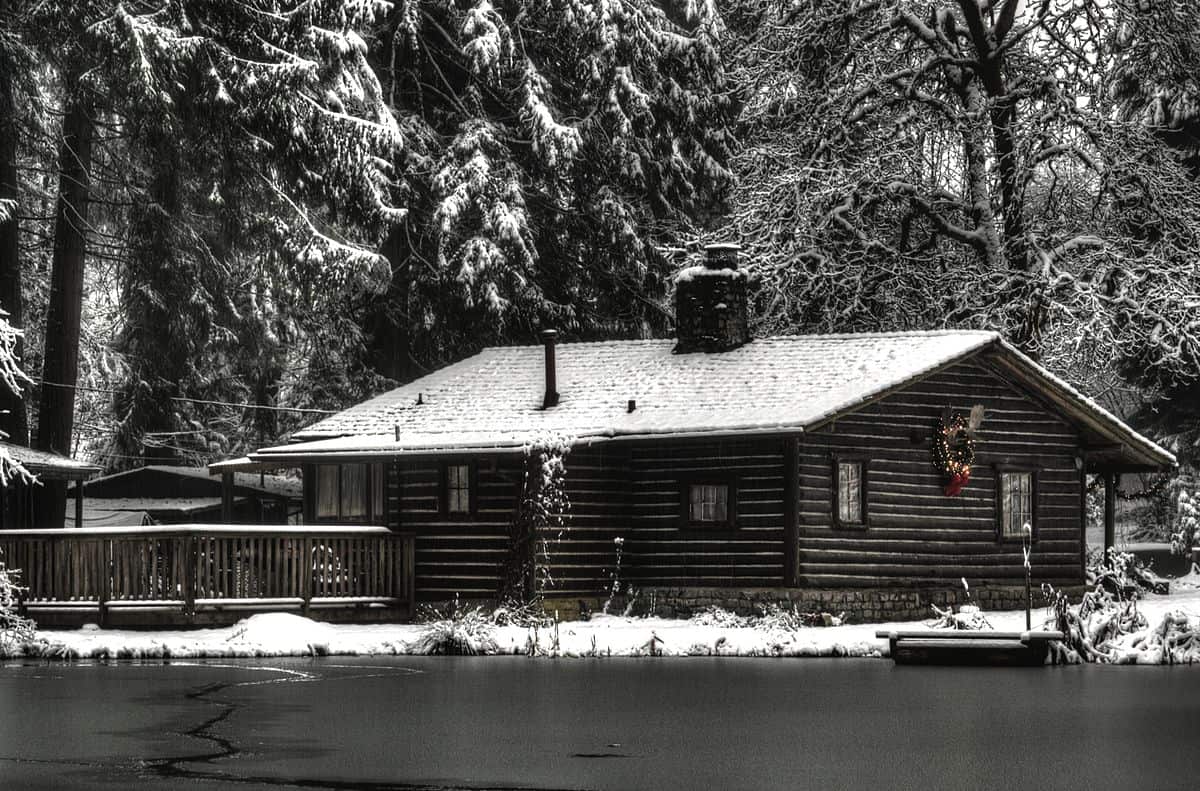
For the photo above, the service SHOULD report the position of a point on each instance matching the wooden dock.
(960, 647)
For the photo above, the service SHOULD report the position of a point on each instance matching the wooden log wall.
(916, 534)
(662, 550)
(583, 559)
(456, 554)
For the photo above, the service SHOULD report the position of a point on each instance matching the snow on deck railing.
(199, 529)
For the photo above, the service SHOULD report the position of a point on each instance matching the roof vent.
(549, 337)
(711, 313)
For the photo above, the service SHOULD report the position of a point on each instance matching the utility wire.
(197, 400)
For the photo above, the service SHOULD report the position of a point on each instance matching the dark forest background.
(218, 219)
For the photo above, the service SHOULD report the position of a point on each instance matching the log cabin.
(873, 473)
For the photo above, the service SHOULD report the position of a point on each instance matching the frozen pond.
(379, 723)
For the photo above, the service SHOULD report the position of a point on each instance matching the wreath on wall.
(954, 452)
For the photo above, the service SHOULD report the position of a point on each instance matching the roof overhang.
(1109, 445)
(248, 464)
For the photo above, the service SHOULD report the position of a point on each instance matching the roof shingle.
(494, 398)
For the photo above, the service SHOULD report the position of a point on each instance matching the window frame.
(728, 482)
(444, 488)
(370, 497)
(835, 485)
(1000, 470)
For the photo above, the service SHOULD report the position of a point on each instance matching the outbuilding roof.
(623, 389)
(49, 465)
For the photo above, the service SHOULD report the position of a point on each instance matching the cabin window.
(457, 488)
(1017, 491)
(709, 503)
(849, 493)
(350, 492)
(378, 490)
(327, 491)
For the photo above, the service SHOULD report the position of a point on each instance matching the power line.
(197, 400)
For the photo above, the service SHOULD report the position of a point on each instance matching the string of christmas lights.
(953, 453)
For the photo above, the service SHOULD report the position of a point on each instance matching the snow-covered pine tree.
(557, 151)
(258, 146)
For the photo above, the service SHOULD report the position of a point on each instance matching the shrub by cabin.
(864, 472)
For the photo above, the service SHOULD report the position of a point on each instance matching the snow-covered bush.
(968, 617)
(1186, 530)
(463, 633)
(15, 629)
(719, 616)
(772, 617)
(460, 632)
(1122, 575)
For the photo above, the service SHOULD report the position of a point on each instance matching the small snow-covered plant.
(463, 631)
(969, 616)
(526, 615)
(719, 616)
(614, 589)
(775, 618)
(15, 629)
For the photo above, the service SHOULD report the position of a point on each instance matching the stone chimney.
(711, 313)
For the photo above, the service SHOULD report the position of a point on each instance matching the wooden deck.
(958, 647)
(192, 575)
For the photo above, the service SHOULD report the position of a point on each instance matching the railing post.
(189, 575)
(105, 581)
(410, 569)
(309, 574)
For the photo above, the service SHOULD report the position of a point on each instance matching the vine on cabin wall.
(541, 520)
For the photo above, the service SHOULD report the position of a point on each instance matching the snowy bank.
(281, 634)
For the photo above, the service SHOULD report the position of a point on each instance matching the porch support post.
(1110, 511)
(79, 503)
(226, 496)
(791, 509)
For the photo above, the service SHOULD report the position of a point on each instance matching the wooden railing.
(192, 569)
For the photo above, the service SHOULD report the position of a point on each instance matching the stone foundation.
(861, 605)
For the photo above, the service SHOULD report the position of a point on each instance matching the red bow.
(956, 483)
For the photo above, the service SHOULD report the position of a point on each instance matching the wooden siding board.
(661, 550)
(948, 537)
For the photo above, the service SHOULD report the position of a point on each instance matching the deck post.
(1110, 512)
(189, 575)
(79, 503)
(410, 569)
(309, 573)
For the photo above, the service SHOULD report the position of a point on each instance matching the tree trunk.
(387, 324)
(159, 338)
(60, 370)
(13, 421)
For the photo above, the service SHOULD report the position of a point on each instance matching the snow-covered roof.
(493, 400)
(275, 485)
(495, 397)
(50, 465)
(183, 505)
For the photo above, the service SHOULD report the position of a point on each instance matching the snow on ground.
(282, 634)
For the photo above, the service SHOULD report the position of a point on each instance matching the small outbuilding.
(160, 494)
(19, 498)
(869, 472)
